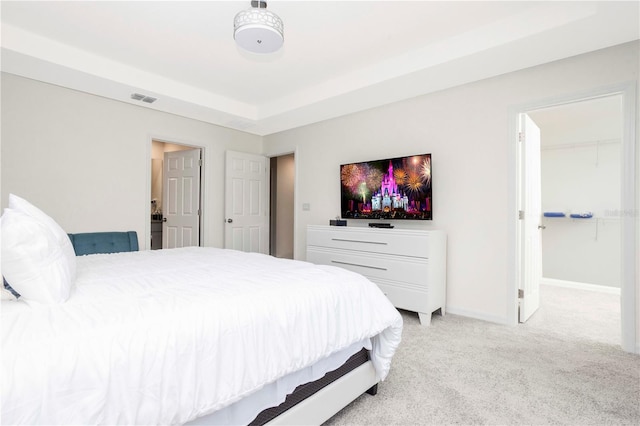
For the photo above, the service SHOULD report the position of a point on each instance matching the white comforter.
(163, 337)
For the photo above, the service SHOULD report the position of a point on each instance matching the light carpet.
(564, 366)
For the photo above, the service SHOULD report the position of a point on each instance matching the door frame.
(203, 180)
(628, 205)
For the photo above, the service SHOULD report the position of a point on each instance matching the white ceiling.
(339, 57)
(586, 121)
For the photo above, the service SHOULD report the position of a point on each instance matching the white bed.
(187, 335)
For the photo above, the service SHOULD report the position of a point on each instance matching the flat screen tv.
(393, 188)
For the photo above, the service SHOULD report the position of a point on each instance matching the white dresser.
(409, 266)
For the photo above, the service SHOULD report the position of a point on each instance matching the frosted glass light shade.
(258, 30)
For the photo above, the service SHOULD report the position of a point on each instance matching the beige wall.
(580, 172)
(84, 159)
(466, 130)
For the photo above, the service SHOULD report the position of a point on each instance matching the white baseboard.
(545, 281)
(581, 286)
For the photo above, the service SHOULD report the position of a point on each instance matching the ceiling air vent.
(143, 98)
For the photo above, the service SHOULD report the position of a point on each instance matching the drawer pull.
(360, 241)
(357, 264)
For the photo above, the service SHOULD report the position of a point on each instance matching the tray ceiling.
(338, 57)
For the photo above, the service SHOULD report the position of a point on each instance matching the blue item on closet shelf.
(554, 214)
(586, 215)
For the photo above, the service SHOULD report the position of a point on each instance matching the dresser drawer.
(372, 266)
(406, 298)
(370, 240)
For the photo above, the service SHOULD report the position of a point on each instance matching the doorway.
(580, 173)
(171, 228)
(281, 206)
(628, 191)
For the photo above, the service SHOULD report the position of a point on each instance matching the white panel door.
(530, 222)
(246, 218)
(181, 199)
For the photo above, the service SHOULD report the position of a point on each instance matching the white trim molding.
(580, 286)
(630, 246)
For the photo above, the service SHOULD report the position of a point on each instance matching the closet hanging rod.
(581, 144)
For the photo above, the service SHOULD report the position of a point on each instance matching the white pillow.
(6, 294)
(22, 205)
(33, 262)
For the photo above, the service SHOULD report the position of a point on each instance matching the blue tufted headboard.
(104, 242)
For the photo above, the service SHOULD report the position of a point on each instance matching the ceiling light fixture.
(258, 30)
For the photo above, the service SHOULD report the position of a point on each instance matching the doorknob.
(229, 220)
(164, 219)
(542, 227)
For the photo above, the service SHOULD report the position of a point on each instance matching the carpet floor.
(564, 366)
